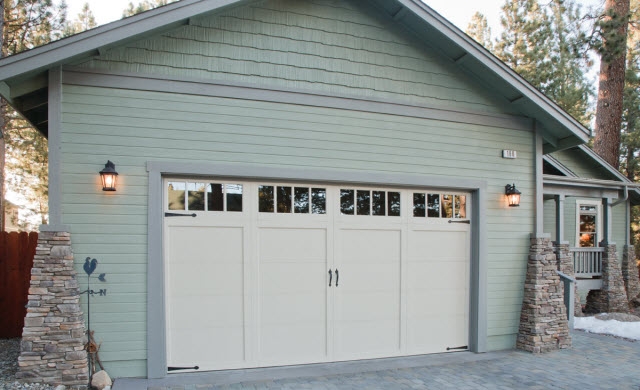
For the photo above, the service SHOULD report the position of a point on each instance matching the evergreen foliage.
(27, 24)
(144, 5)
(85, 20)
(479, 30)
(546, 45)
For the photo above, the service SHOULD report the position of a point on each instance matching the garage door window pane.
(433, 205)
(378, 201)
(195, 192)
(418, 205)
(394, 204)
(364, 202)
(319, 200)
(265, 199)
(175, 194)
(234, 197)
(447, 206)
(301, 200)
(347, 201)
(461, 206)
(284, 199)
(214, 197)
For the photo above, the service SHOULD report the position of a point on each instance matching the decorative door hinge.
(182, 368)
(179, 215)
(461, 221)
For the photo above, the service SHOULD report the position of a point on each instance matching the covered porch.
(589, 221)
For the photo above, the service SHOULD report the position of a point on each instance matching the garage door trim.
(156, 319)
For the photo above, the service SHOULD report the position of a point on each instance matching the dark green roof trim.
(594, 156)
(91, 42)
(483, 65)
(559, 166)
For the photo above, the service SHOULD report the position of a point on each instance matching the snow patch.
(629, 330)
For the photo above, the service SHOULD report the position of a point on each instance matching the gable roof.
(23, 79)
(616, 179)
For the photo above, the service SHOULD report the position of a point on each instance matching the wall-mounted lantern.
(513, 195)
(108, 176)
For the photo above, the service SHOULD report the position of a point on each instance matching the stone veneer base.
(53, 338)
(543, 320)
(612, 298)
(630, 272)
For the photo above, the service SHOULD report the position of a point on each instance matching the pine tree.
(523, 44)
(85, 20)
(27, 24)
(630, 128)
(145, 5)
(478, 29)
(3, 103)
(613, 30)
(567, 83)
(546, 46)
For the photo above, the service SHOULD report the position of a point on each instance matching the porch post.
(559, 218)
(606, 221)
(612, 298)
(565, 262)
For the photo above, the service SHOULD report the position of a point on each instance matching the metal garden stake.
(90, 265)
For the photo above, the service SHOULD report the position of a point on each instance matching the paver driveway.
(594, 362)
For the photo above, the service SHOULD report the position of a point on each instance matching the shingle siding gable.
(339, 47)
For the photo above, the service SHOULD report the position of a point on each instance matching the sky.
(459, 12)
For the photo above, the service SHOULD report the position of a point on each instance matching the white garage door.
(261, 274)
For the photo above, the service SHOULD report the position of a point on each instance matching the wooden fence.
(16, 259)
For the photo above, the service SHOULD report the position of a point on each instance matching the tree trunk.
(611, 89)
(2, 123)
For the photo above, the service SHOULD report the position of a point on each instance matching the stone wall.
(630, 272)
(53, 338)
(612, 298)
(543, 320)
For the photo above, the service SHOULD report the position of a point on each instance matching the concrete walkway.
(594, 362)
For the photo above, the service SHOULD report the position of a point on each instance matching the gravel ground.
(9, 351)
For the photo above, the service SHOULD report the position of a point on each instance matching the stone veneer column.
(612, 298)
(565, 265)
(53, 338)
(543, 320)
(630, 272)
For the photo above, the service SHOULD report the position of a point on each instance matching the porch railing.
(587, 262)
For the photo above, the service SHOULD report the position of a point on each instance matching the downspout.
(624, 198)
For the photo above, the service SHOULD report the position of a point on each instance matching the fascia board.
(88, 42)
(558, 165)
(492, 63)
(582, 182)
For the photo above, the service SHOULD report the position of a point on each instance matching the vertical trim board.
(55, 152)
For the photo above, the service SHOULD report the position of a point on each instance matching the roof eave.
(491, 63)
(88, 43)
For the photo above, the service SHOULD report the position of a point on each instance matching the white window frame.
(589, 202)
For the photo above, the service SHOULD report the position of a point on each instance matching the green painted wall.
(131, 128)
(582, 165)
(331, 47)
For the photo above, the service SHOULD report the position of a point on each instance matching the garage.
(262, 274)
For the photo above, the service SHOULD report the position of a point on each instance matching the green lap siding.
(133, 127)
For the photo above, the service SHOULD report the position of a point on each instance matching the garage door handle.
(337, 277)
(330, 277)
